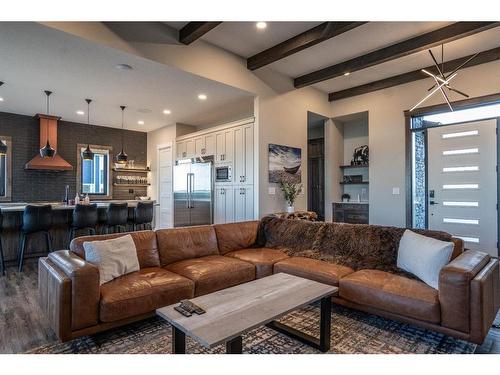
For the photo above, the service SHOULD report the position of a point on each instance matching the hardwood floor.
(23, 326)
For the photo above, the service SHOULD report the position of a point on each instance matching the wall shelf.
(354, 166)
(354, 183)
(136, 170)
(131, 185)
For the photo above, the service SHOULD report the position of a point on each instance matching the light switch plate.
(395, 191)
(272, 190)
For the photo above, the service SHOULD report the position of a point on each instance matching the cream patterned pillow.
(114, 258)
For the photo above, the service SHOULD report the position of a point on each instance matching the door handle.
(191, 193)
(432, 203)
(187, 191)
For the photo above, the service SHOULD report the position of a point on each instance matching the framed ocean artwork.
(284, 163)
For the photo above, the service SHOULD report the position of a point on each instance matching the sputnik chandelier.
(441, 80)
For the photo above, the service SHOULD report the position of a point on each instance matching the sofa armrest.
(455, 289)
(54, 292)
(485, 300)
(85, 291)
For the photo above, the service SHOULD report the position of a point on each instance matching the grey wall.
(29, 185)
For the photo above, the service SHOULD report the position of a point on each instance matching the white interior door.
(165, 187)
(462, 181)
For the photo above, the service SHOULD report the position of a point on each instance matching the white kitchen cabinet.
(224, 146)
(249, 154)
(181, 150)
(224, 205)
(190, 148)
(243, 155)
(243, 203)
(239, 155)
(185, 149)
(199, 146)
(209, 144)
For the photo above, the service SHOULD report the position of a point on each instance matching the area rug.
(353, 332)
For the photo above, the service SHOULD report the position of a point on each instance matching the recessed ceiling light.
(202, 97)
(347, 73)
(124, 67)
(144, 110)
(1, 99)
(140, 122)
(261, 25)
(166, 111)
(81, 113)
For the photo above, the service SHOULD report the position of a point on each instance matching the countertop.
(19, 206)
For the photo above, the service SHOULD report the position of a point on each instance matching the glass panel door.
(462, 182)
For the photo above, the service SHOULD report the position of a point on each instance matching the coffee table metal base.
(235, 346)
(323, 343)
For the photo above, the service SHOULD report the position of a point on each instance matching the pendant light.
(88, 154)
(3, 146)
(47, 151)
(122, 157)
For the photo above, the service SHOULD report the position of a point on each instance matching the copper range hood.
(48, 130)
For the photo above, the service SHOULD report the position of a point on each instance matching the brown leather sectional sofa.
(187, 262)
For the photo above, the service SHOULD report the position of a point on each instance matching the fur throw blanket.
(357, 246)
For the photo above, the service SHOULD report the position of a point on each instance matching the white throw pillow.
(423, 256)
(114, 258)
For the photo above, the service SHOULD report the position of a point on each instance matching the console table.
(352, 213)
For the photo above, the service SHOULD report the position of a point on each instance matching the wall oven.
(223, 173)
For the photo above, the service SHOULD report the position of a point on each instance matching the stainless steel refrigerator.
(193, 192)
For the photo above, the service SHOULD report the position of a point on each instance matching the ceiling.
(41, 58)
(245, 40)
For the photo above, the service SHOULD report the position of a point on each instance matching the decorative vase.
(290, 209)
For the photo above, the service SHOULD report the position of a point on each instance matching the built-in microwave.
(223, 173)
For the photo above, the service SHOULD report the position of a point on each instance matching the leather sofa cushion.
(214, 272)
(142, 291)
(393, 293)
(313, 269)
(263, 259)
(186, 243)
(145, 243)
(236, 236)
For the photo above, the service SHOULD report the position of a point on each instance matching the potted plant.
(290, 191)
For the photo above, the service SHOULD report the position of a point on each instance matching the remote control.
(182, 311)
(191, 307)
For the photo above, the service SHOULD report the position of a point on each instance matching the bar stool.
(116, 218)
(84, 218)
(143, 215)
(36, 219)
(2, 260)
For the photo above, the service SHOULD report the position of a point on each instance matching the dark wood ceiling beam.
(195, 30)
(482, 58)
(307, 39)
(419, 43)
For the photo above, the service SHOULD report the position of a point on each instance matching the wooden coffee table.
(234, 311)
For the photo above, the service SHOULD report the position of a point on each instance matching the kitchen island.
(61, 221)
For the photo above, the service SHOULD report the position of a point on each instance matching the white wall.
(387, 133)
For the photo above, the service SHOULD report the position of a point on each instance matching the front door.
(462, 183)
